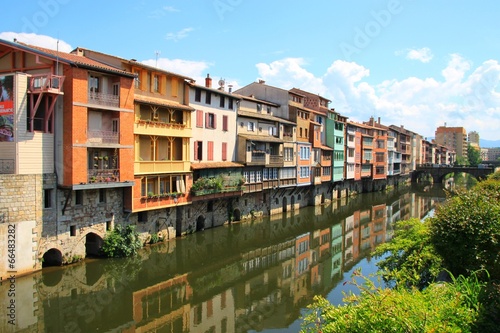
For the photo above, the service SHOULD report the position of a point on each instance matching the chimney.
(230, 88)
(261, 81)
(208, 81)
(379, 120)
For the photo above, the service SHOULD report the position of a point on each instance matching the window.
(156, 83)
(268, 109)
(94, 84)
(102, 195)
(259, 107)
(72, 230)
(367, 155)
(198, 150)
(142, 217)
(210, 120)
(251, 126)
(137, 81)
(288, 154)
(305, 133)
(116, 89)
(224, 151)
(208, 97)
(210, 150)
(197, 95)
(230, 106)
(305, 153)
(115, 126)
(305, 172)
(79, 197)
(273, 131)
(350, 152)
(224, 123)
(222, 101)
(47, 198)
(199, 118)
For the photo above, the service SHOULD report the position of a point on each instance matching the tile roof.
(162, 102)
(215, 165)
(69, 58)
(261, 138)
(264, 116)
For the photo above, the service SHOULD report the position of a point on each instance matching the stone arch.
(236, 215)
(285, 203)
(200, 223)
(52, 257)
(93, 244)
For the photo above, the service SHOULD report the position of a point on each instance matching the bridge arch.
(438, 173)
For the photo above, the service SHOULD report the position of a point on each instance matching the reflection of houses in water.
(163, 306)
(336, 250)
(262, 283)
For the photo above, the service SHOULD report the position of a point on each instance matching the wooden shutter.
(199, 118)
(224, 123)
(224, 151)
(210, 150)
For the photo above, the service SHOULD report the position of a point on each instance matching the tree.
(465, 231)
(409, 258)
(473, 155)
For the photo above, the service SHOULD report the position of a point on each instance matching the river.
(254, 276)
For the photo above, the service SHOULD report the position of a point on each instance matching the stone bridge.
(438, 172)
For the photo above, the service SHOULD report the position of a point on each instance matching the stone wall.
(21, 213)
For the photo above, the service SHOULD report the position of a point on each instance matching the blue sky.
(420, 64)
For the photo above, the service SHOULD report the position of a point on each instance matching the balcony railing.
(102, 137)
(103, 175)
(259, 157)
(276, 159)
(104, 99)
(46, 83)
(7, 166)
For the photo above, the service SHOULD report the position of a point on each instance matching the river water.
(254, 276)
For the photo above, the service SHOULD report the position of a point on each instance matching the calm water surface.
(255, 276)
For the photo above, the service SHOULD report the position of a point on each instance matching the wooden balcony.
(150, 167)
(149, 127)
(46, 83)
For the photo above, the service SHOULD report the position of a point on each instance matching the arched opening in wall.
(52, 257)
(93, 244)
(292, 202)
(236, 215)
(200, 223)
(285, 203)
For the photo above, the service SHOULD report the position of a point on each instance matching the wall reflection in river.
(255, 275)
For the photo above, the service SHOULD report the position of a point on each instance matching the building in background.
(473, 139)
(454, 138)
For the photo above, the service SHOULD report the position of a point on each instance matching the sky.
(420, 64)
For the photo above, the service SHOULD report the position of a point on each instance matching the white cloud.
(193, 69)
(176, 36)
(424, 54)
(170, 9)
(37, 40)
(459, 97)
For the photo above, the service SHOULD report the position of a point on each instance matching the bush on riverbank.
(463, 237)
(439, 308)
(121, 242)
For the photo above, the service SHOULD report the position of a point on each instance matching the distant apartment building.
(454, 138)
(473, 139)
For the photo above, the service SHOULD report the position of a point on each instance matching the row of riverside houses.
(89, 141)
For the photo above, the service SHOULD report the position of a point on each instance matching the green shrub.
(466, 230)
(438, 308)
(410, 259)
(121, 242)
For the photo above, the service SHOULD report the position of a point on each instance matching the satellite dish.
(222, 83)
